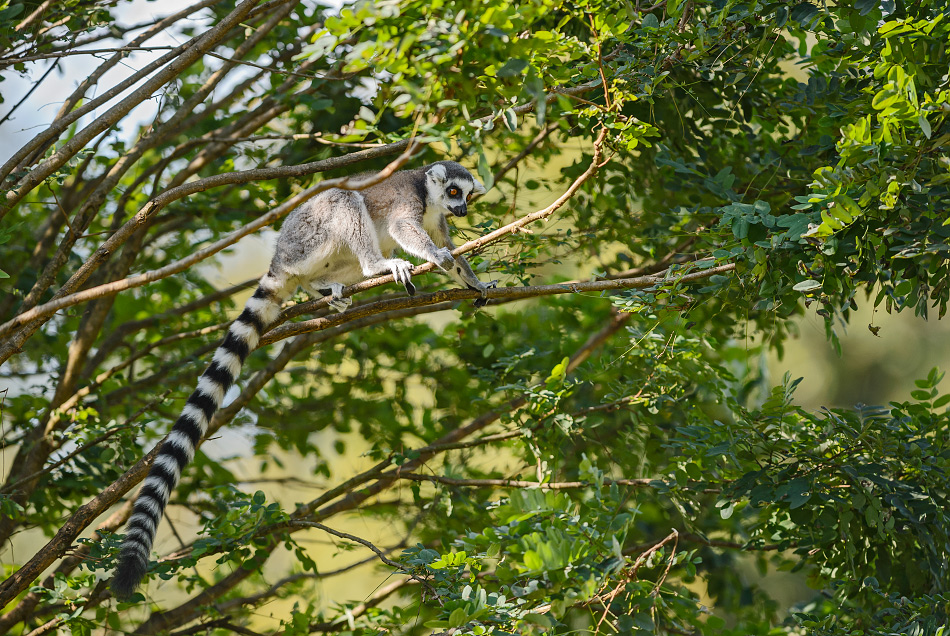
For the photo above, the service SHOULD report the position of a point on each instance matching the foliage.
(572, 462)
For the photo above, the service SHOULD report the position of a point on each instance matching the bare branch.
(59, 54)
(33, 17)
(94, 200)
(534, 143)
(26, 96)
(65, 119)
(351, 537)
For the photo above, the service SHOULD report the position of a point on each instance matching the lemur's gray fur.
(335, 239)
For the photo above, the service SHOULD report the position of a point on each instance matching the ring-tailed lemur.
(335, 239)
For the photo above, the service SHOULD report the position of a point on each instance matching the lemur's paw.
(401, 271)
(483, 300)
(339, 303)
(337, 300)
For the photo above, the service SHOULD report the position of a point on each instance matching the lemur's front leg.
(411, 236)
(461, 271)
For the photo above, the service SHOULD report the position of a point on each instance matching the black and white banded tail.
(178, 449)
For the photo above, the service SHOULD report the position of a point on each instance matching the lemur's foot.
(337, 300)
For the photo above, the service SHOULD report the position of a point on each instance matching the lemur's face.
(452, 189)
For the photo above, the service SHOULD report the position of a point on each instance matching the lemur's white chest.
(432, 219)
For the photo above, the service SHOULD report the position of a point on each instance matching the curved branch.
(36, 316)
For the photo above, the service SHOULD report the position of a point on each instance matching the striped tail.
(178, 449)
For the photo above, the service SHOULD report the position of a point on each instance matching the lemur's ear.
(479, 188)
(436, 173)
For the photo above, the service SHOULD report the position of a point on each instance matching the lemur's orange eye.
(453, 192)
(469, 197)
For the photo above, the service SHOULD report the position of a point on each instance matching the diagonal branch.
(177, 61)
(38, 315)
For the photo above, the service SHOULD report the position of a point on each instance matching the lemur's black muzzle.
(459, 210)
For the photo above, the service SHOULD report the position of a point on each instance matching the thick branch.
(502, 293)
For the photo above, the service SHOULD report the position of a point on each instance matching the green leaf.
(458, 617)
(539, 619)
(941, 401)
(798, 493)
(806, 285)
(512, 68)
(511, 119)
(484, 171)
(715, 622)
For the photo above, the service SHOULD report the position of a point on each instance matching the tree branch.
(455, 295)
(519, 483)
(60, 54)
(178, 60)
(38, 315)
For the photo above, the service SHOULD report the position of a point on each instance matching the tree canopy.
(599, 449)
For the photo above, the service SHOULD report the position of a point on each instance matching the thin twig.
(518, 483)
(61, 54)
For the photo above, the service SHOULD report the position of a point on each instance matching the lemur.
(335, 239)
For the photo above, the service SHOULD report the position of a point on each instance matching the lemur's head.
(450, 187)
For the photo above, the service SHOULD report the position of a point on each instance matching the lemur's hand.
(481, 302)
(444, 259)
(401, 270)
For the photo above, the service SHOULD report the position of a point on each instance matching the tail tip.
(127, 577)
